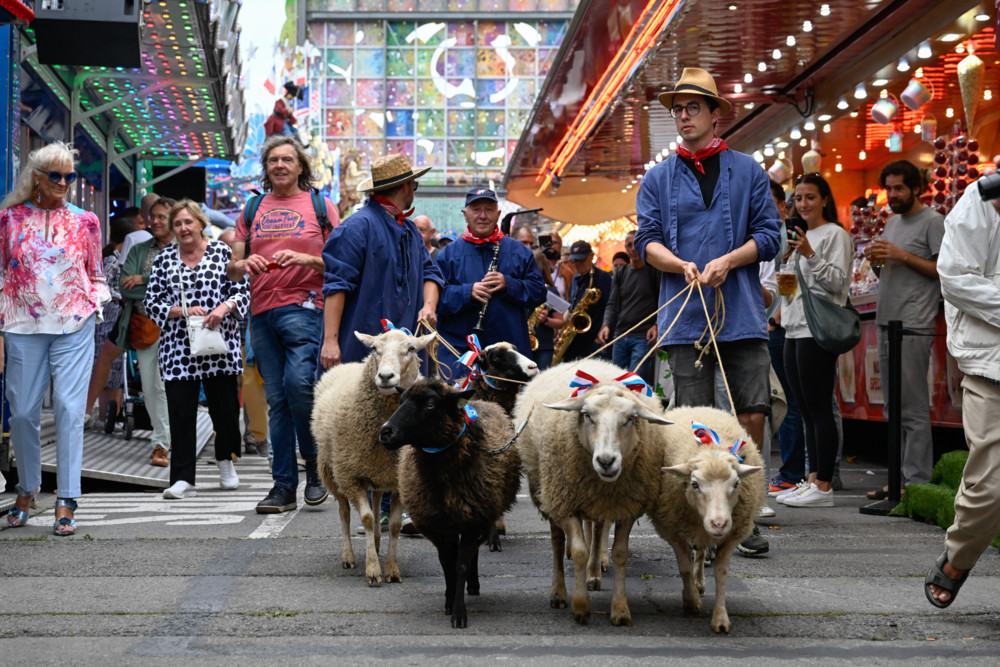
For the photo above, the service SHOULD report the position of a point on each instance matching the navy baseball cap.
(579, 250)
(447, 235)
(476, 194)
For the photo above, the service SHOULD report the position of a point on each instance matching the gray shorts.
(747, 365)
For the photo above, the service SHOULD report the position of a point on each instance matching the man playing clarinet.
(501, 298)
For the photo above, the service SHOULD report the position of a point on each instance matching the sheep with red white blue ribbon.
(591, 451)
(710, 494)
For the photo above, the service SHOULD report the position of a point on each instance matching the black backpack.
(250, 211)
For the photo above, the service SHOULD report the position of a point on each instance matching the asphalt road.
(207, 581)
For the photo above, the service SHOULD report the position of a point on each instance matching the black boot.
(315, 493)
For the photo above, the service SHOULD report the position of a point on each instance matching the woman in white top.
(823, 255)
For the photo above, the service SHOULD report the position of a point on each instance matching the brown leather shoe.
(159, 457)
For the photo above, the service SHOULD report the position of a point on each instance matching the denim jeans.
(626, 353)
(31, 360)
(286, 342)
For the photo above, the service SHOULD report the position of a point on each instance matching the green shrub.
(948, 470)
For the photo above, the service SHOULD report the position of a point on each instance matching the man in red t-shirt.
(285, 266)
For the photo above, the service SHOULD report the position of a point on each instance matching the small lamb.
(451, 481)
(352, 401)
(708, 498)
(592, 456)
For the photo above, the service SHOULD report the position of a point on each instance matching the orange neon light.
(633, 49)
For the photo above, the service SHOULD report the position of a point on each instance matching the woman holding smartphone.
(822, 251)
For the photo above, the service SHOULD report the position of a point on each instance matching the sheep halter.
(469, 360)
(707, 436)
(582, 381)
(470, 415)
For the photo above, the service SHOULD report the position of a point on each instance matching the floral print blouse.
(51, 269)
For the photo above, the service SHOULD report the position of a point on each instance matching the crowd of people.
(280, 302)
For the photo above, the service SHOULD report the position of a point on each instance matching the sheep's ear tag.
(470, 412)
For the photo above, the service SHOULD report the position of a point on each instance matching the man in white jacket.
(967, 266)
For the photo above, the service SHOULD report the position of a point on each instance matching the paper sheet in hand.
(556, 302)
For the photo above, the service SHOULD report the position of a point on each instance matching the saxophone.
(578, 322)
(533, 322)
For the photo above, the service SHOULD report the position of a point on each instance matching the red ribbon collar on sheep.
(469, 359)
(470, 416)
(582, 381)
(707, 436)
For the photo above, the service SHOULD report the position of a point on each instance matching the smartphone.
(792, 223)
(872, 198)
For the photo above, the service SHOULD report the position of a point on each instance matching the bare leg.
(102, 369)
(392, 574)
(720, 617)
(620, 614)
(557, 594)
(592, 531)
(373, 572)
(578, 548)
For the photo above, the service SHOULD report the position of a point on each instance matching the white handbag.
(204, 341)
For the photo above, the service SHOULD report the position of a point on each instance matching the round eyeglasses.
(692, 108)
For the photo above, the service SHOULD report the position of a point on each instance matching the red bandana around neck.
(716, 146)
(492, 238)
(390, 208)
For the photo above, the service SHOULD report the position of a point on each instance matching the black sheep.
(452, 486)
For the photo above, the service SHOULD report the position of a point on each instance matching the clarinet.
(478, 329)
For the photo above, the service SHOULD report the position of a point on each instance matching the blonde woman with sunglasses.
(53, 289)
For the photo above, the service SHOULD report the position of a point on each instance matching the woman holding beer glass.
(822, 250)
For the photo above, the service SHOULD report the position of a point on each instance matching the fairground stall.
(144, 90)
(841, 87)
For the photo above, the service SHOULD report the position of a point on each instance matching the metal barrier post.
(895, 385)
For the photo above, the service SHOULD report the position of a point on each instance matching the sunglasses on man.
(57, 176)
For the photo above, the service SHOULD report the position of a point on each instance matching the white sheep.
(596, 457)
(707, 499)
(351, 403)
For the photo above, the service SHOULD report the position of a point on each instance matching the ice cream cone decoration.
(970, 81)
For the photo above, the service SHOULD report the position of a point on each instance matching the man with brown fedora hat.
(706, 214)
(377, 267)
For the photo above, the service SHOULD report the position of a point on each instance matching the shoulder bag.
(142, 331)
(835, 328)
(203, 341)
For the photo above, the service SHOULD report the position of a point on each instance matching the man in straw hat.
(706, 214)
(377, 266)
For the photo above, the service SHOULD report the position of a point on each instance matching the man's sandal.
(17, 518)
(937, 577)
(65, 525)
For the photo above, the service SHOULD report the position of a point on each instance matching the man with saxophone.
(588, 296)
(508, 294)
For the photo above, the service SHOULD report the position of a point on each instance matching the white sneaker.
(180, 489)
(811, 497)
(801, 487)
(766, 511)
(227, 475)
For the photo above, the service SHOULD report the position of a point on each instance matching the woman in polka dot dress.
(198, 266)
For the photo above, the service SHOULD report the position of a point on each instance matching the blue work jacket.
(463, 263)
(672, 212)
(381, 265)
